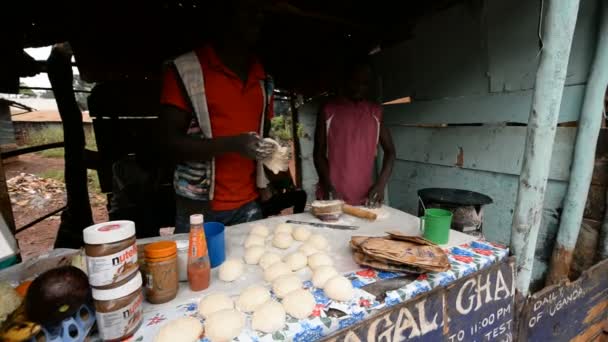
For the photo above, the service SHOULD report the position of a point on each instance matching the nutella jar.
(119, 311)
(111, 253)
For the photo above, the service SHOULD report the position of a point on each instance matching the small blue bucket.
(216, 243)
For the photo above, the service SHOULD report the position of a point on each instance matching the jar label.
(109, 269)
(116, 324)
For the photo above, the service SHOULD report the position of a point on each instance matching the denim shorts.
(246, 213)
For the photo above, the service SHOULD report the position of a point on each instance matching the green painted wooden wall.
(475, 63)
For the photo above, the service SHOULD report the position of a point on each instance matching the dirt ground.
(40, 238)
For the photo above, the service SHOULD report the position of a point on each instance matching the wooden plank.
(420, 66)
(494, 149)
(487, 108)
(479, 307)
(568, 311)
(513, 46)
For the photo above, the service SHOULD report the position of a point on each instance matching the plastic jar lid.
(109, 232)
(161, 249)
(124, 290)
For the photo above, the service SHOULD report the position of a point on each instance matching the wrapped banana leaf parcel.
(397, 252)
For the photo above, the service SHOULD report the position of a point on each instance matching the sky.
(40, 80)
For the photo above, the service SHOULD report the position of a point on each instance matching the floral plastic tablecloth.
(464, 259)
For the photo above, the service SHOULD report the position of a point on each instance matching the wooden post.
(558, 29)
(295, 120)
(78, 214)
(583, 161)
(602, 253)
(6, 209)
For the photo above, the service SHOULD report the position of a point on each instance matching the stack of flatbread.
(399, 253)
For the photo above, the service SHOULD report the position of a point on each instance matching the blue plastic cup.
(216, 243)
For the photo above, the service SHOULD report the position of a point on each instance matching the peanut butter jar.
(162, 276)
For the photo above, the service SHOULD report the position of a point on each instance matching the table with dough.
(466, 255)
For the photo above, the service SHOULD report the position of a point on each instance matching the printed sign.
(566, 312)
(479, 307)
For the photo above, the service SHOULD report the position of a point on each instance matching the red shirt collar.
(209, 58)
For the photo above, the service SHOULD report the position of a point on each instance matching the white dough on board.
(339, 288)
(213, 303)
(231, 269)
(307, 249)
(319, 259)
(254, 240)
(268, 259)
(224, 325)
(185, 329)
(260, 230)
(296, 261)
(252, 297)
(285, 284)
(301, 233)
(253, 254)
(283, 228)
(299, 303)
(269, 317)
(276, 270)
(318, 241)
(322, 274)
(282, 240)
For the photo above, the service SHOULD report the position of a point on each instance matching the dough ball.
(322, 274)
(252, 297)
(307, 249)
(253, 254)
(301, 233)
(224, 325)
(254, 240)
(319, 259)
(213, 303)
(186, 329)
(269, 317)
(231, 269)
(339, 288)
(282, 240)
(283, 228)
(260, 230)
(299, 303)
(318, 241)
(276, 270)
(268, 259)
(296, 261)
(285, 284)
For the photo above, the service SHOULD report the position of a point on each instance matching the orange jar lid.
(160, 250)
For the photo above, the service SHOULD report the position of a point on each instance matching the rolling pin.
(360, 213)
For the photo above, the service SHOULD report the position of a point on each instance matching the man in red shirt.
(211, 114)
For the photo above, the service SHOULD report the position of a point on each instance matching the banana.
(17, 327)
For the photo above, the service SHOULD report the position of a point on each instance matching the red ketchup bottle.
(199, 268)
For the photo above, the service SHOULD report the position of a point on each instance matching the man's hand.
(375, 196)
(330, 192)
(251, 146)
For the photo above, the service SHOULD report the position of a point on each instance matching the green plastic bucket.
(435, 225)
